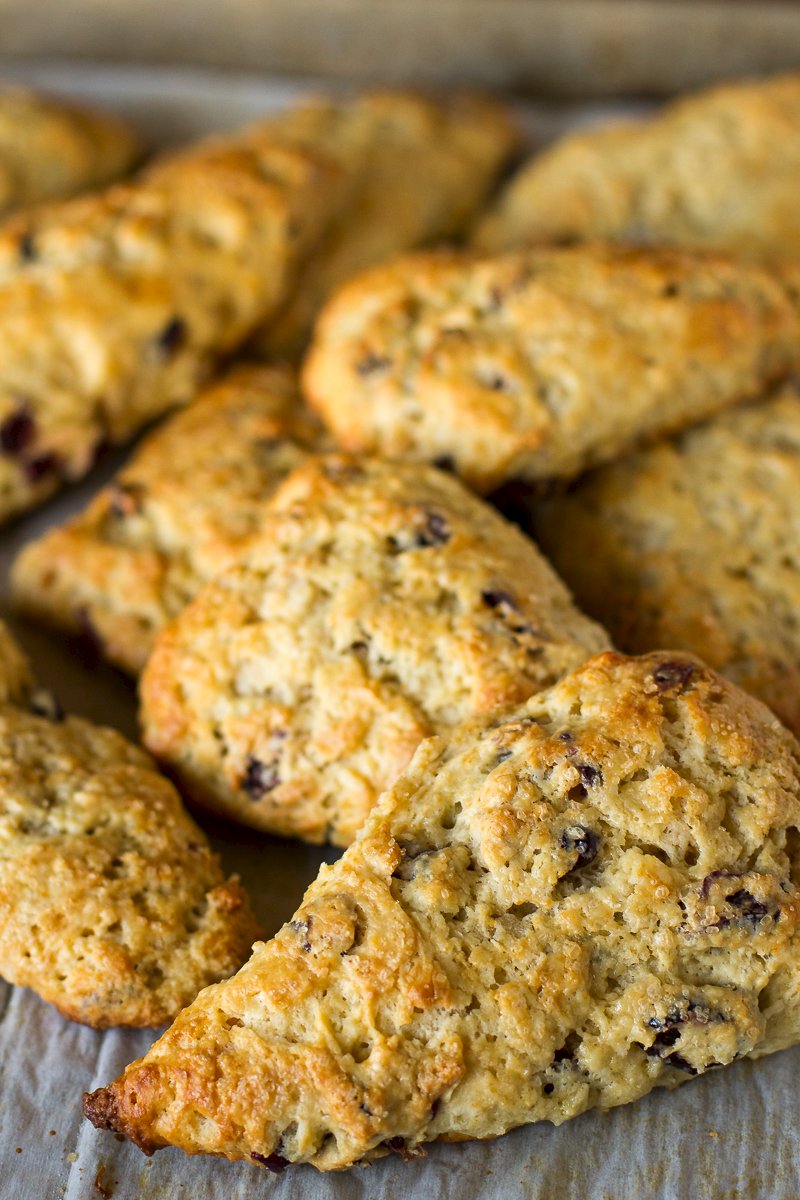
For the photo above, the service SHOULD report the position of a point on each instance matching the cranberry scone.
(51, 149)
(116, 307)
(541, 363)
(719, 169)
(380, 603)
(556, 908)
(694, 543)
(184, 508)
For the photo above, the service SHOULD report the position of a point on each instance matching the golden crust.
(16, 676)
(556, 908)
(116, 307)
(183, 509)
(418, 171)
(693, 543)
(50, 150)
(541, 363)
(716, 170)
(380, 603)
(112, 906)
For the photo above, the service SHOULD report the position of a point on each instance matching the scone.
(16, 677)
(50, 149)
(541, 363)
(116, 307)
(695, 543)
(719, 169)
(185, 507)
(556, 908)
(381, 603)
(418, 170)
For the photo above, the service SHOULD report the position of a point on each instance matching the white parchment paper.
(728, 1136)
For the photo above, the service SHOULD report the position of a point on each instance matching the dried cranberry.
(669, 675)
(275, 1163)
(436, 531)
(445, 462)
(583, 842)
(302, 928)
(750, 908)
(499, 599)
(371, 363)
(42, 466)
(172, 336)
(590, 776)
(260, 778)
(17, 431)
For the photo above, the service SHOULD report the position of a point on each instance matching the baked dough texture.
(696, 543)
(116, 307)
(112, 905)
(556, 908)
(719, 169)
(541, 363)
(16, 676)
(417, 169)
(50, 150)
(184, 508)
(381, 603)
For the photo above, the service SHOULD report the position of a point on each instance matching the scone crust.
(381, 603)
(16, 676)
(556, 908)
(715, 170)
(693, 543)
(50, 150)
(112, 905)
(183, 508)
(540, 363)
(417, 168)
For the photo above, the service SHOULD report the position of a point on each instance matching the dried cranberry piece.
(39, 468)
(275, 1163)
(499, 599)
(372, 362)
(17, 431)
(750, 908)
(445, 462)
(260, 778)
(172, 336)
(436, 531)
(590, 776)
(583, 842)
(669, 675)
(302, 928)
(667, 1037)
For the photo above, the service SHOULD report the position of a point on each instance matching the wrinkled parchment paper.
(728, 1136)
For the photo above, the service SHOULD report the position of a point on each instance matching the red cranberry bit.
(39, 468)
(275, 1163)
(582, 842)
(371, 363)
(17, 432)
(670, 675)
(260, 778)
(172, 336)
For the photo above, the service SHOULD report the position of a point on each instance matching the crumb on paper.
(72, 1157)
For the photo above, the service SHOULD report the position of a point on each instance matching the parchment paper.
(730, 1135)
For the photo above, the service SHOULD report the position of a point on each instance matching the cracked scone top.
(716, 170)
(112, 905)
(540, 363)
(694, 543)
(183, 508)
(50, 149)
(381, 603)
(558, 907)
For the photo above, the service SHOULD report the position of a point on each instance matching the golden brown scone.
(418, 170)
(50, 149)
(556, 908)
(380, 603)
(541, 363)
(115, 308)
(185, 507)
(112, 905)
(696, 543)
(719, 169)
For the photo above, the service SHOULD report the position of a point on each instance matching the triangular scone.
(182, 509)
(112, 905)
(537, 364)
(556, 908)
(418, 171)
(719, 169)
(381, 603)
(50, 149)
(694, 543)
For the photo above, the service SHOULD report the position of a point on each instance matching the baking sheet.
(730, 1135)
